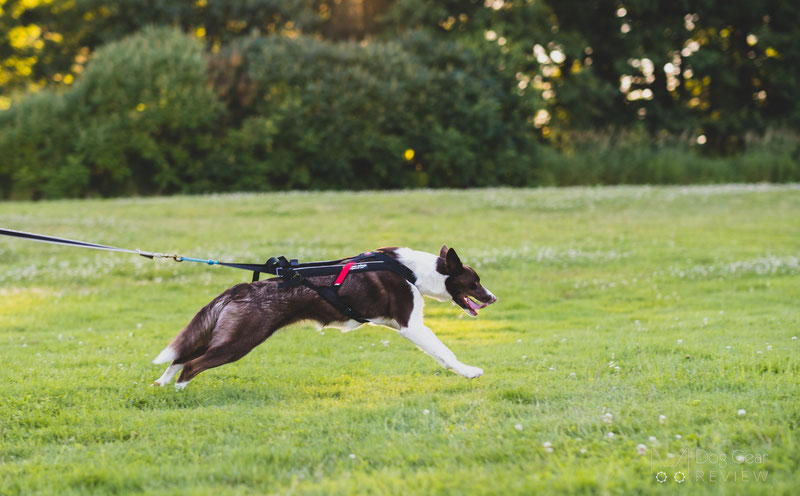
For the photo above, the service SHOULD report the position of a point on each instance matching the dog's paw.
(470, 372)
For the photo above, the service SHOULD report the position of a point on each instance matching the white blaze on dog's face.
(463, 283)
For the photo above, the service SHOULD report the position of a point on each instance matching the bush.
(139, 121)
(343, 115)
(147, 116)
(37, 139)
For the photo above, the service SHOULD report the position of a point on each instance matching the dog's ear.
(453, 263)
(443, 252)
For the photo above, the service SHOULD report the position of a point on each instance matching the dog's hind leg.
(214, 357)
(176, 367)
(238, 331)
(168, 374)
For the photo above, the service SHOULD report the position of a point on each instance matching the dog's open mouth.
(472, 306)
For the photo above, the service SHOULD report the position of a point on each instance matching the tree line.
(158, 97)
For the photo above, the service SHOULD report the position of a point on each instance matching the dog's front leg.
(427, 341)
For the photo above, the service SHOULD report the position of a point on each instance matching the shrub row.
(155, 114)
(140, 120)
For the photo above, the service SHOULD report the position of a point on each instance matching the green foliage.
(343, 115)
(65, 30)
(139, 121)
(147, 118)
(37, 139)
(690, 291)
(632, 157)
(735, 65)
(438, 94)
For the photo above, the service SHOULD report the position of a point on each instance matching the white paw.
(180, 385)
(470, 372)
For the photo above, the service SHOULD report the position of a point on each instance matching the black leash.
(147, 254)
(292, 272)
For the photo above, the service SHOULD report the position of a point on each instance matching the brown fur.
(246, 315)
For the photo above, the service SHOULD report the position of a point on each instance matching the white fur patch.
(346, 326)
(168, 375)
(429, 281)
(166, 355)
(180, 385)
(390, 323)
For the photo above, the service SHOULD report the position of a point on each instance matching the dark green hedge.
(140, 120)
(155, 114)
(311, 114)
(152, 115)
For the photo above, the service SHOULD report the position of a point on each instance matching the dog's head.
(463, 283)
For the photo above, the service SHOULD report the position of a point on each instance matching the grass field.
(660, 317)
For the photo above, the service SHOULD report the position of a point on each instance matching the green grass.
(692, 292)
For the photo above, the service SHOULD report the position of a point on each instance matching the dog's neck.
(430, 282)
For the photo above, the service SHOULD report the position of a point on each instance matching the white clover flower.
(741, 412)
(680, 341)
(678, 436)
(652, 439)
(641, 449)
(611, 435)
(548, 447)
(518, 427)
(352, 456)
(662, 419)
(426, 411)
(608, 418)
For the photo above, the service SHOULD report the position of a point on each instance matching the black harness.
(296, 274)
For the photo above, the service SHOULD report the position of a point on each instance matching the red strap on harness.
(343, 273)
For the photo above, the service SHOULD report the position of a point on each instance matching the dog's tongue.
(473, 305)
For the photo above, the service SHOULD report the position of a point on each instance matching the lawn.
(639, 331)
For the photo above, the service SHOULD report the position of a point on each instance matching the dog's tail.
(196, 335)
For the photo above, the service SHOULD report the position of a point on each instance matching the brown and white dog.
(245, 315)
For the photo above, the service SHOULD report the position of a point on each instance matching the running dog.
(245, 315)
